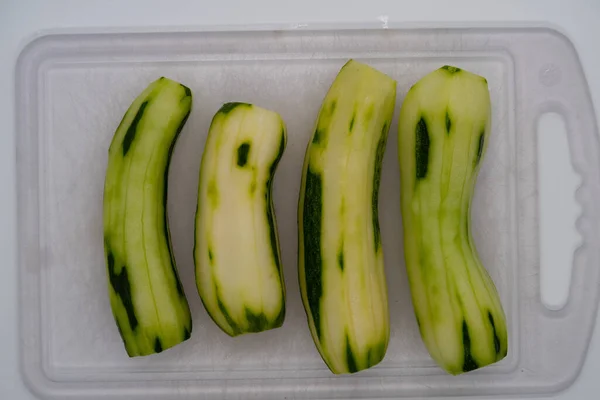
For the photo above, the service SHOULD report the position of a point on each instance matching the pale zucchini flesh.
(238, 263)
(444, 130)
(146, 295)
(341, 271)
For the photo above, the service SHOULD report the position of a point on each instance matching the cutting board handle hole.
(559, 210)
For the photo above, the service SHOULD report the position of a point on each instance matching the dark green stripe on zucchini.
(332, 107)
(469, 364)
(275, 162)
(376, 183)
(242, 154)
(132, 130)
(317, 136)
(122, 287)
(451, 69)
(480, 143)
(229, 107)
(422, 149)
(234, 327)
(256, 322)
(340, 257)
(157, 346)
(166, 231)
(269, 201)
(312, 246)
(494, 333)
(352, 364)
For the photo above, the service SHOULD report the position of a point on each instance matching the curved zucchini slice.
(145, 292)
(237, 255)
(341, 272)
(443, 134)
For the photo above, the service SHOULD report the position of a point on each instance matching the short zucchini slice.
(146, 296)
(444, 130)
(237, 256)
(341, 271)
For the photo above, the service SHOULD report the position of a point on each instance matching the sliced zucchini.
(443, 135)
(146, 296)
(237, 256)
(341, 272)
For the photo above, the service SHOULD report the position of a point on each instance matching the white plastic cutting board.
(20, 22)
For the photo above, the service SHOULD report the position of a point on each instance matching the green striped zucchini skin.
(341, 270)
(444, 130)
(237, 255)
(146, 296)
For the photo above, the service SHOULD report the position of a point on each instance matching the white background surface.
(22, 20)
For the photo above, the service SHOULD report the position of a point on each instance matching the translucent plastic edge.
(585, 258)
